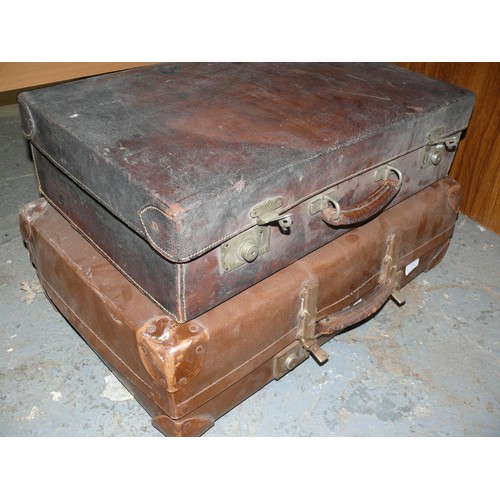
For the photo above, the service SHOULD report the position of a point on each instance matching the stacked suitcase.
(207, 227)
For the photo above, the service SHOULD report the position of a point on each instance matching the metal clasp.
(306, 340)
(389, 268)
(265, 213)
(244, 248)
(247, 246)
(437, 143)
(307, 323)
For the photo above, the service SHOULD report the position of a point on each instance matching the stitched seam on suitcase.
(241, 371)
(239, 230)
(183, 291)
(213, 245)
(179, 285)
(432, 243)
(191, 256)
(46, 284)
(97, 247)
(36, 168)
(76, 181)
(120, 216)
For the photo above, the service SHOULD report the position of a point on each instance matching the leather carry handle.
(365, 209)
(370, 304)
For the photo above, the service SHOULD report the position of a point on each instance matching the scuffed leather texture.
(171, 359)
(184, 291)
(181, 153)
(227, 353)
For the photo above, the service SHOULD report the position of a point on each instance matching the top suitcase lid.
(185, 153)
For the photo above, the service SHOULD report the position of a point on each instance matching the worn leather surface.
(182, 152)
(197, 286)
(159, 166)
(187, 375)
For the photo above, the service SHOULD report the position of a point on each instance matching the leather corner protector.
(160, 225)
(27, 122)
(28, 214)
(185, 427)
(454, 191)
(171, 358)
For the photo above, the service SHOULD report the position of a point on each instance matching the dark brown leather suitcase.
(187, 375)
(199, 180)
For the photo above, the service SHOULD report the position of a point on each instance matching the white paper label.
(411, 266)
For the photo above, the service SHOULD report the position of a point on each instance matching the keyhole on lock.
(249, 250)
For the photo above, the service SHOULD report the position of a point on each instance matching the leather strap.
(365, 209)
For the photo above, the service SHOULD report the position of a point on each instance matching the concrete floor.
(430, 368)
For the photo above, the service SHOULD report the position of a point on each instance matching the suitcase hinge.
(437, 143)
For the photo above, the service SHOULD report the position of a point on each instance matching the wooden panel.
(17, 76)
(14, 75)
(477, 162)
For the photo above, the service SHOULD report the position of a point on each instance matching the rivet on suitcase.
(200, 180)
(186, 375)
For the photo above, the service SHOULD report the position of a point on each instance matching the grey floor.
(430, 368)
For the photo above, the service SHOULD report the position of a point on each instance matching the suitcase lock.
(244, 248)
(247, 246)
(437, 144)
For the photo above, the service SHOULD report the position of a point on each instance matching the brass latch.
(437, 143)
(266, 212)
(244, 248)
(247, 246)
(288, 359)
(307, 341)
(307, 323)
(309, 329)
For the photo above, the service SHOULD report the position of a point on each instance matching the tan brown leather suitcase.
(199, 180)
(187, 375)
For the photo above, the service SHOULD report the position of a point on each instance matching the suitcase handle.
(368, 305)
(365, 209)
